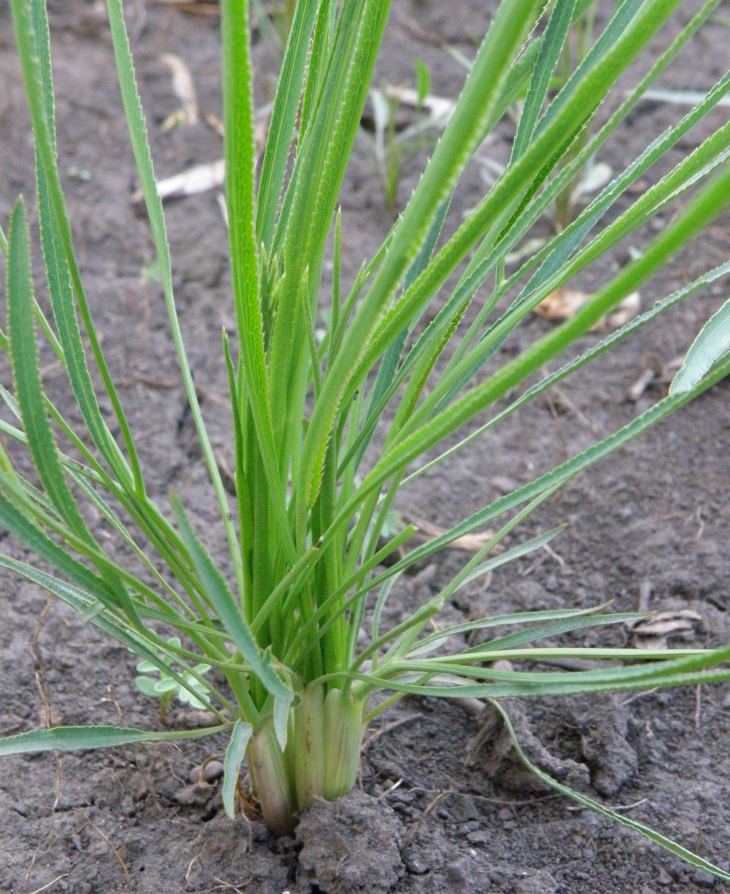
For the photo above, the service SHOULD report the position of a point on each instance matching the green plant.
(391, 148)
(314, 488)
(571, 58)
(594, 174)
(166, 687)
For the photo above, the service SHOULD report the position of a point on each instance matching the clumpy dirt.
(442, 804)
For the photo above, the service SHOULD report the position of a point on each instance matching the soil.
(649, 526)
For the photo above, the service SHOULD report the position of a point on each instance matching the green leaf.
(283, 117)
(550, 49)
(31, 34)
(74, 738)
(145, 644)
(452, 152)
(59, 276)
(146, 685)
(229, 613)
(240, 157)
(28, 387)
(235, 754)
(667, 843)
(510, 555)
(423, 79)
(710, 346)
(146, 667)
(140, 148)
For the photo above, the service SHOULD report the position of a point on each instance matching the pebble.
(537, 883)
(211, 771)
(139, 787)
(416, 866)
(478, 838)
(505, 484)
(194, 795)
(196, 719)
(706, 879)
(456, 872)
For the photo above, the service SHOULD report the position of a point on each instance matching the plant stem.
(320, 761)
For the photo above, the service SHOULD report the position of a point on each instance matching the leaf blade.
(234, 757)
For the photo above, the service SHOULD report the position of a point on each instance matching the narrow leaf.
(667, 843)
(74, 738)
(235, 753)
(228, 611)
(711, 345)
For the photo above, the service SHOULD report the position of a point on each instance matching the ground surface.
(652, 521)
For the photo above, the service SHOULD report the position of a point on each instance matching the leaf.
(146, 667)
(458, 142)
(140, 148)
(551, 48)
(32, 37)
(235, 754)
(710, 346)
(660, 628)
(667, 843)
(510, 555)
(423, 79)
(146, 685)
(281, 718)
(28, 387)
(240, 160)
(81, 602)
(468, 543)
(74, 738)
(439, 108)
(229, 613)
(283, 117)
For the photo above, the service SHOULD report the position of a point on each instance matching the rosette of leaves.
(410, 351)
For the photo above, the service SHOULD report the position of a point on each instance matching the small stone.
(537, 883)
(194, 795)
(213, 771)
(478, 838)
(505, 484)
(196, 719)
(664, 878)
(209, 772)
(416, 866)
(456, 872)
(705, 879)
(140, 788)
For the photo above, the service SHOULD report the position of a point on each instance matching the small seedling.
(392, 147)
(154, 682)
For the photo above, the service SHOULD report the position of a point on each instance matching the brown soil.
(651, 520)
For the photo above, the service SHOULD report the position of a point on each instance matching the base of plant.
(321, 758)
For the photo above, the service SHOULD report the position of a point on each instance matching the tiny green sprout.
(166, 688)
(423, 79)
